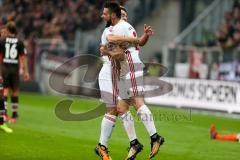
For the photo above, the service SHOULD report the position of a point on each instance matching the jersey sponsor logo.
(11, 40)
(12, 61)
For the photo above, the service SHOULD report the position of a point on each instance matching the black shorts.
(10, 77)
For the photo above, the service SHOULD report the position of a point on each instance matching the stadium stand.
(206, 50)
(49, 19)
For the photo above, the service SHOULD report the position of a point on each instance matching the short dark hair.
(11, 27)
(123, 8)
(113, 7)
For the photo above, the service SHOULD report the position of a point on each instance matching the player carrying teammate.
(12, 53)
(156, 139)
(131, 79)
(107, 83)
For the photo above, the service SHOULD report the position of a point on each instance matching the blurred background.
(197, 40)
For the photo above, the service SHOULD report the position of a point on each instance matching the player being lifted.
(13, 53)
(3, 125)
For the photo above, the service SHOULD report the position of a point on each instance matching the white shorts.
(131, 83)
(108, 85)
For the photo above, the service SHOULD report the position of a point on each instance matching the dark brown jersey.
(10, 49)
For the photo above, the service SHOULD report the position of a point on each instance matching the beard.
(108, 23)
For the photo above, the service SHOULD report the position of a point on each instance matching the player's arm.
(105, 51)
(143, 39)
(24, 63)
(121, 39)
(134, 40)
(147, 33)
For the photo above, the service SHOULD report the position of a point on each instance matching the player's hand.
(103, 49)
(118, 54)
(26, 76)
(148, 30)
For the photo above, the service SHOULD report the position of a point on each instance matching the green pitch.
(40, 135)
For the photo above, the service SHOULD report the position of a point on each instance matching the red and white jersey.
(106, 71)
(107, 78)
(105, 42)
(123, 28)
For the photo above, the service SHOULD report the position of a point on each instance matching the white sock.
(128, 123)
(107, 125)
(147, 118)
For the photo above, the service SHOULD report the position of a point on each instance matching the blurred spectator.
(47, 18)
(228, 36)
(214, 72)
(57, 20)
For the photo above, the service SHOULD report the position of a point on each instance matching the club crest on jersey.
(130, 28)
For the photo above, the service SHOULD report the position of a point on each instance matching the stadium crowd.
(49, 19)
(229, 34)
(228, 38)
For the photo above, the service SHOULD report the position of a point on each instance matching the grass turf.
(40, 135)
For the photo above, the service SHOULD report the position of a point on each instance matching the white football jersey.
(105, 42)
(123, 28)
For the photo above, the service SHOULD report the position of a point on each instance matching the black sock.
(5, 104)
(154, 137)
(14, 100)
(134, 142)
(2, 111)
